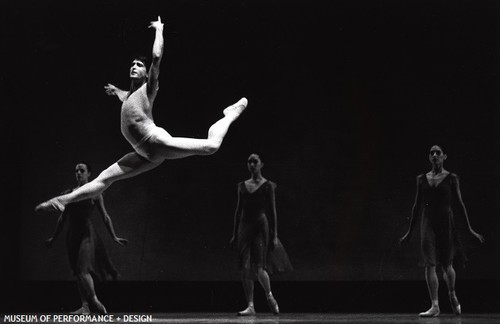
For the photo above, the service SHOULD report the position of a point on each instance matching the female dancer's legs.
(433, 287)
(449, 277)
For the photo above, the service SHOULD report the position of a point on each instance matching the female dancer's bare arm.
(415, 211)
(463, 210)
(107, 221)
(273, 228)
(60, 222)
(236, 221)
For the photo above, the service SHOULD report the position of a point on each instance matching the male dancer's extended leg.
(163, 147)
(128, 166)
(168, 147)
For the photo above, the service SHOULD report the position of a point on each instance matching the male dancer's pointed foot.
(455, 305)
(273, 305)
(249, 311)
(52, 205)
(431, 312)
(236, 109)
(84, 310)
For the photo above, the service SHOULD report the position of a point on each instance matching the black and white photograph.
(239, 161)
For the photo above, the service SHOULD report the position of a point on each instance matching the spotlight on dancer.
(152, 144)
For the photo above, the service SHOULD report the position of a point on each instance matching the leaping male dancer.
(152, 144)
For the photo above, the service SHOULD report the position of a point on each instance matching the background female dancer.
(439, 244)
(255, 232)
(86, 252)
(152, 144)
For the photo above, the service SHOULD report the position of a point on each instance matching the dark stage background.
(345, 100)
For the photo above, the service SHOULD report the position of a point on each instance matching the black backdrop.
(345, 99)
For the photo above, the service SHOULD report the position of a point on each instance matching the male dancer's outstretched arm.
(154, 70)
(114, 91)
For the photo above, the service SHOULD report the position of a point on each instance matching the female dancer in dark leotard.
(439, 245)
(255, 233)
(86, 252)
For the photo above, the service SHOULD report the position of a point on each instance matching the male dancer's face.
(138, 70)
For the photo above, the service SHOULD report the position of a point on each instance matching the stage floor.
(306, 318)
(312, 318)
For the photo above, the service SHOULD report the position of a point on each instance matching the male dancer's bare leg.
(128, 166)
(170, 147)
(132, 164)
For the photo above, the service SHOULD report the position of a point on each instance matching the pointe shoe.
(273, 305)
(84, 310)
(455, 305)
(50, 205)
(432, 312)
(99, 307)
(249, 311)
(237, 108)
